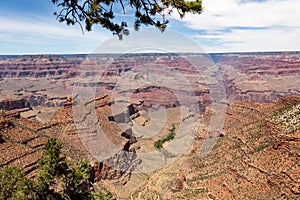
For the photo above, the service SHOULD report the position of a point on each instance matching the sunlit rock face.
(46, 81)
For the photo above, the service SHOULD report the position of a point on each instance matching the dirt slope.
(256, 156)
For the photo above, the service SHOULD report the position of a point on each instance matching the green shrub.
(159, 143)
(14, 185)
(52, 169)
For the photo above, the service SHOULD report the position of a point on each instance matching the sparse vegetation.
(55, 179)
(159, 143)
(294, 198)
(288, 118)
(261, 147)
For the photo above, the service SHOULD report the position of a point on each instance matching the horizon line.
(118, 53)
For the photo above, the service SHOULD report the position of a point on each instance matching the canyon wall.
(47, 80)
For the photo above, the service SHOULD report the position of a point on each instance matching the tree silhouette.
(103, 12)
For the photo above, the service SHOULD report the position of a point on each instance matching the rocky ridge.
(43, 82)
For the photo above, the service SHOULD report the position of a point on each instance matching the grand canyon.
(236, 115)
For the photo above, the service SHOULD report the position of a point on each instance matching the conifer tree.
(103, 13)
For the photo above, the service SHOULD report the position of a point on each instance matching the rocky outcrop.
(125, 111)
(14, 104)
(121, 164)
(46, 101)
(124, 162)
(20, 143)
(178, 182)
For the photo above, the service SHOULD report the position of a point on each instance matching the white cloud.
(236, 25)
(47, 36)
(233, 13)
(273, 39)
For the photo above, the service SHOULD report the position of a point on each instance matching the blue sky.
(29, 27)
